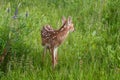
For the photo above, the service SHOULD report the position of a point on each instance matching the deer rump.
(46, 33)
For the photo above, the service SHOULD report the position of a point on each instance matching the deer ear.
(63, 20)
(69, 19)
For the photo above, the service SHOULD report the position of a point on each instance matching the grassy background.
(92, 52)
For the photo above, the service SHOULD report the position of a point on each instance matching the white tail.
(52, 39)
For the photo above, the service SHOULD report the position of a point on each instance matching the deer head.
(68, 23)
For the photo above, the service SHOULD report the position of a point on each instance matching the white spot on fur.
(54, 37)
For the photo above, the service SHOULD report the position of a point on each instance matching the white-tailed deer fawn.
(52, 39)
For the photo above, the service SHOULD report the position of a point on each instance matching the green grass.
(92, 52)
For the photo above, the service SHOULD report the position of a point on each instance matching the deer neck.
(63, 33)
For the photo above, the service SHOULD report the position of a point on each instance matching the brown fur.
(54, 38)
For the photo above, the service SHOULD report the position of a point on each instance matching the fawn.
(52, 39)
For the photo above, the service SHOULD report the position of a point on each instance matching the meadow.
(91, 52)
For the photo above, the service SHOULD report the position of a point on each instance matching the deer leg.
(53, 57)
(45, 49)
(56, 56)
(49, 50)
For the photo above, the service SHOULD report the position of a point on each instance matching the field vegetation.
(92, 52)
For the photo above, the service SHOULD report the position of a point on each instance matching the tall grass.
(92, 52)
